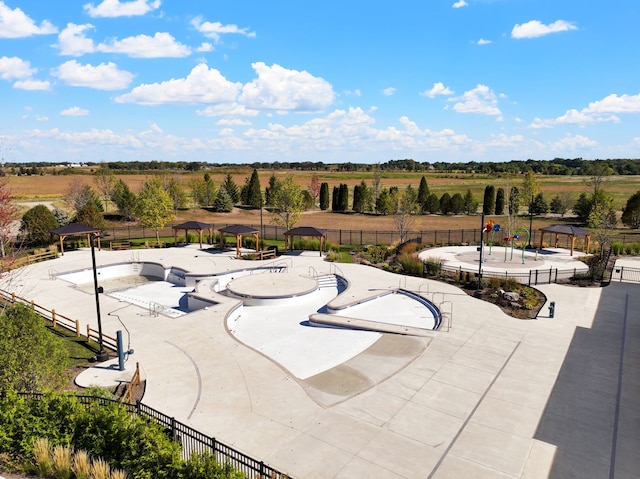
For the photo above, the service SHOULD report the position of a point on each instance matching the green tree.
(154, 206)
(514, 201)
(500, 201)
(489, 201)
(254, 191)
(324, 196)
(31, 357)
(232, 189)
(539, 205)
(271, 190)
(560, 203)
(631, 212)
(288, 203)
(602, 221)
(358, 199)
(582, 207)
(406, 207)
(433, 204)
(223, 201)
(177, 194)
(79, 194)
(470, 203)
(37, 224)
(385, 203)
(445, 204)
(124, 199)
(90, 215)
(343, 198)
(423, 194)
(457, 204)
(530, 187)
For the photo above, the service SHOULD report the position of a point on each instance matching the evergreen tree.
(232, 189)
(124, 199)
(90, 215)
(445, 204)
(514, 201)
(344, 198)
(335, 199)
(223, 201)
(470, 203)
(358, 199)
(457, 204)
(500, 202)
(433, 204)
(385, 202)
(271, 190)
(423, 194)
(324, 196)
(582, 207)
(539, 205)
(489, 201)
(631, 212)
(254, 192)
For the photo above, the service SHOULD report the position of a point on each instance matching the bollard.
(552, 309)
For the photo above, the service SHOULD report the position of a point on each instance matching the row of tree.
(556, 166)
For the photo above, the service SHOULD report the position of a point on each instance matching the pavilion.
(308, 231)
(571, 231)
(193, 225)
(76, 229)
(239, 231)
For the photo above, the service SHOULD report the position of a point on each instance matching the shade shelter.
(305, 231)
(239, 231)
(195, 226)
(572, 232)
(76, 229)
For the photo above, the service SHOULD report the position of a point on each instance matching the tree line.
(556, 166)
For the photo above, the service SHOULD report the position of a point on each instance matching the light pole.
(102, 354)
(481, 254)
(530, 222)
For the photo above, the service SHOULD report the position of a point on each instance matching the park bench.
(118, 245)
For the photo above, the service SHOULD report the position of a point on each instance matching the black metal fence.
(530, 277)
(625, 274)
(191, 440)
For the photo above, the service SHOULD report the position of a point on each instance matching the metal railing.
(191, 440)
(625, 274)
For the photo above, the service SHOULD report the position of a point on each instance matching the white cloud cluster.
(16, 24)
(72, 41)
(481, 100)
(460, 4)
(116, 8)
(105, 76)
(437, 89)
(75, 111)
(597, 112)
(535, 28)
(202, 86)
(15, 68)
(215, 30)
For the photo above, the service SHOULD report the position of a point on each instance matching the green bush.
(617, 247)
(411, 264)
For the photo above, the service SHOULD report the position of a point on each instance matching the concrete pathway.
(491, 397)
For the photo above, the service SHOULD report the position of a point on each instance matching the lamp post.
(530, 222)
(102, 354)
(481, 255)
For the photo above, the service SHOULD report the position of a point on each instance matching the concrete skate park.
(345, 371)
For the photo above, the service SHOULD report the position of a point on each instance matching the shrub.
(81, 466)
(495, 283)
(433, 265)
(333, 256)
(510, 284)
(617, 247)
(42, 456)
(62, 462)
(411, 264)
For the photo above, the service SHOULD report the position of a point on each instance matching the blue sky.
(331, 81)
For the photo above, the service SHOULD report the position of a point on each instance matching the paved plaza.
(486, 396)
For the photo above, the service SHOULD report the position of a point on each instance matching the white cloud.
(73, 42)
(233, 122)
(388, 91)
(534, 28)
(75, 111)
(573, 143)
(32, 85)
(205, 47)
(12, 68)
(227, 110)
(278, 88)
(116, 8)
(16, 24)
(355, 92)
(482, 41)
(203, 85)
(215, 30)
(479, 100)
(597, 112)
(437, 89)
(161, 45)
(105, 76)
(460, 4)
(41, 118)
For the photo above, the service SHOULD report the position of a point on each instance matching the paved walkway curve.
(494, 397)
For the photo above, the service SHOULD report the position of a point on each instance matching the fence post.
(173, 428)
(556, 280)
(53, 317)
(13, 298)
(536, 283)
(33, 305)
(550, 273)
(262, 471)
(88, 333)
(77, 328)
(529, 278)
